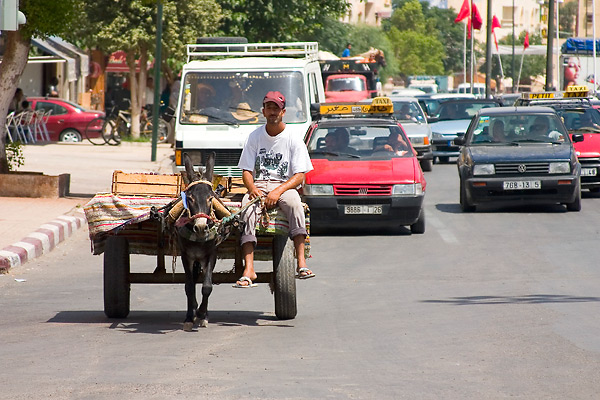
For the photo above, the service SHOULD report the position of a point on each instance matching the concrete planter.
(34, 184)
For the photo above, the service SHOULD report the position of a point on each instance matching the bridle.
(186, 216)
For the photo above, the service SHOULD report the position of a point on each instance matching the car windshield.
(227, 98)
(346, 84)
(519, 128)
(449, 111)
(359, 141)
(587, 120)
(408, 111)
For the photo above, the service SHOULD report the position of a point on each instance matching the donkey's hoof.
(203, 323)
(188, 326)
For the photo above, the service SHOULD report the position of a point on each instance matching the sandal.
(304, 273)
(244, 279)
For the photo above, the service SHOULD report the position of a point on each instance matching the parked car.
(366, 173)
(518, 155)
(68, 121)
(412, 118)
(452, 121)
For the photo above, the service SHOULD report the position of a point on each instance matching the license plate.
(363, 209)
(450, 143)
(518, 185)
(589, 171)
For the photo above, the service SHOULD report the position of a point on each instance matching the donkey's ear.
(210, 166)
(189, 168)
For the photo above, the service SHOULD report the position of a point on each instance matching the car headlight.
(560, 167)
(417, 140)
(484, 169)
(318, 190)
(409, 189)
(437, 135)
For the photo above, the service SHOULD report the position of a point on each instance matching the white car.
(414, 122)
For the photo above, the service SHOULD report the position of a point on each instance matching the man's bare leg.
(248, 256)
(299, 246)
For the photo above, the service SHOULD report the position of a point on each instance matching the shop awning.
(50, 48)
(83, 60)
(117, 62)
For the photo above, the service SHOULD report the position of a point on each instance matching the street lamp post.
(513, 46)
(550, 45)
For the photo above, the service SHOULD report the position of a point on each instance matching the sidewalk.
(31, 227)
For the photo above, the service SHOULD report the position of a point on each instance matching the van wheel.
(426, 165)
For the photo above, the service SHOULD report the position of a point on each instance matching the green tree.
(278, 20)
(131, 26)
(416, 49)
(44, 18)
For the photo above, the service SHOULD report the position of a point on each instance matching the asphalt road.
(498, 304)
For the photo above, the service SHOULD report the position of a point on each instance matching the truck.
(577, 63)
(223, 85)
(334, 70)
(346, 87)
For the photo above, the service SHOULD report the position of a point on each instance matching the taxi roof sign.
(379, 105)
(571, 92)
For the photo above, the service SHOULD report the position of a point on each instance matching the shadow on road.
(526, 299)
(162, 322)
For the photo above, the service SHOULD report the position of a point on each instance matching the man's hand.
(273, 197)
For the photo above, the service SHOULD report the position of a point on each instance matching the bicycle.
(111, 128)
(146, 126)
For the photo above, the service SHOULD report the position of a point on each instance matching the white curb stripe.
(14, 258)
(54, 229)
(28, 247)
(45, 240)
(65, 227)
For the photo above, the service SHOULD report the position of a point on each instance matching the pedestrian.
(53, 87)
(149, 93)
(16, 103)
(273, 162)
(346, 52)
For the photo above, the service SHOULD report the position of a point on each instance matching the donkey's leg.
(190, 291)
(208, 266)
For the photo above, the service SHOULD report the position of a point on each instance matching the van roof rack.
(308, 50)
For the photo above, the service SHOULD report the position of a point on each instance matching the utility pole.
(513, 46)
(550, 45)
(488, 52)
(157, 65)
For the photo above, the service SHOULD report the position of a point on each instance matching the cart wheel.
(116, 277)
(285, 278)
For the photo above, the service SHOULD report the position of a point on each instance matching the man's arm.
(292, 183)
(248, 180)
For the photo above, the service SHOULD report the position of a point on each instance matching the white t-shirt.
(274, 158)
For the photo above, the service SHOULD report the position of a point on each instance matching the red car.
(68, 121)
(366, 173)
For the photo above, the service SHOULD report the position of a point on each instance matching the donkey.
(197, 242)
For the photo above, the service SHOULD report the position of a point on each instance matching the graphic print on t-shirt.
(266, 162)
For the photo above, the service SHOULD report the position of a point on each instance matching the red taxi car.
(366, 172)
(67, 121)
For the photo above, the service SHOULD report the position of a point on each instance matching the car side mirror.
(431, 120)
(460, 141)
(577, 137)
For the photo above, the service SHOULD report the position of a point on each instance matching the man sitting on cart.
(273, 164)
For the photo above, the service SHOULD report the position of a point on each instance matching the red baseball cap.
(275, 97)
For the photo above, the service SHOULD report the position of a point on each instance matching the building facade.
(369, 12)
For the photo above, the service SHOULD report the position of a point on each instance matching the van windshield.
(226, 98)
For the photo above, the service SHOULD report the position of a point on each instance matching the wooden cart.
(123, 223)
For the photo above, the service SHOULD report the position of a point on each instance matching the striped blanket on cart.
(130, 216)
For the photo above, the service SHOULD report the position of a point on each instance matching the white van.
(222, 88)
(478, 89)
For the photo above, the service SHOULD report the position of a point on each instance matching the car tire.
(426, 165)
(465, 206)
(576, 205)
(419, 226)
(444, 159)
(69, 136)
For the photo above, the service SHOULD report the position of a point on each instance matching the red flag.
(495, 23)
(463, 13)
(468, 27)
(526, 42)
(476, 18)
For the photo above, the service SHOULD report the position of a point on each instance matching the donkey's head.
(198, 195)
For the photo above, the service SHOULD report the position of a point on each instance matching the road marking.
(445, 233)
